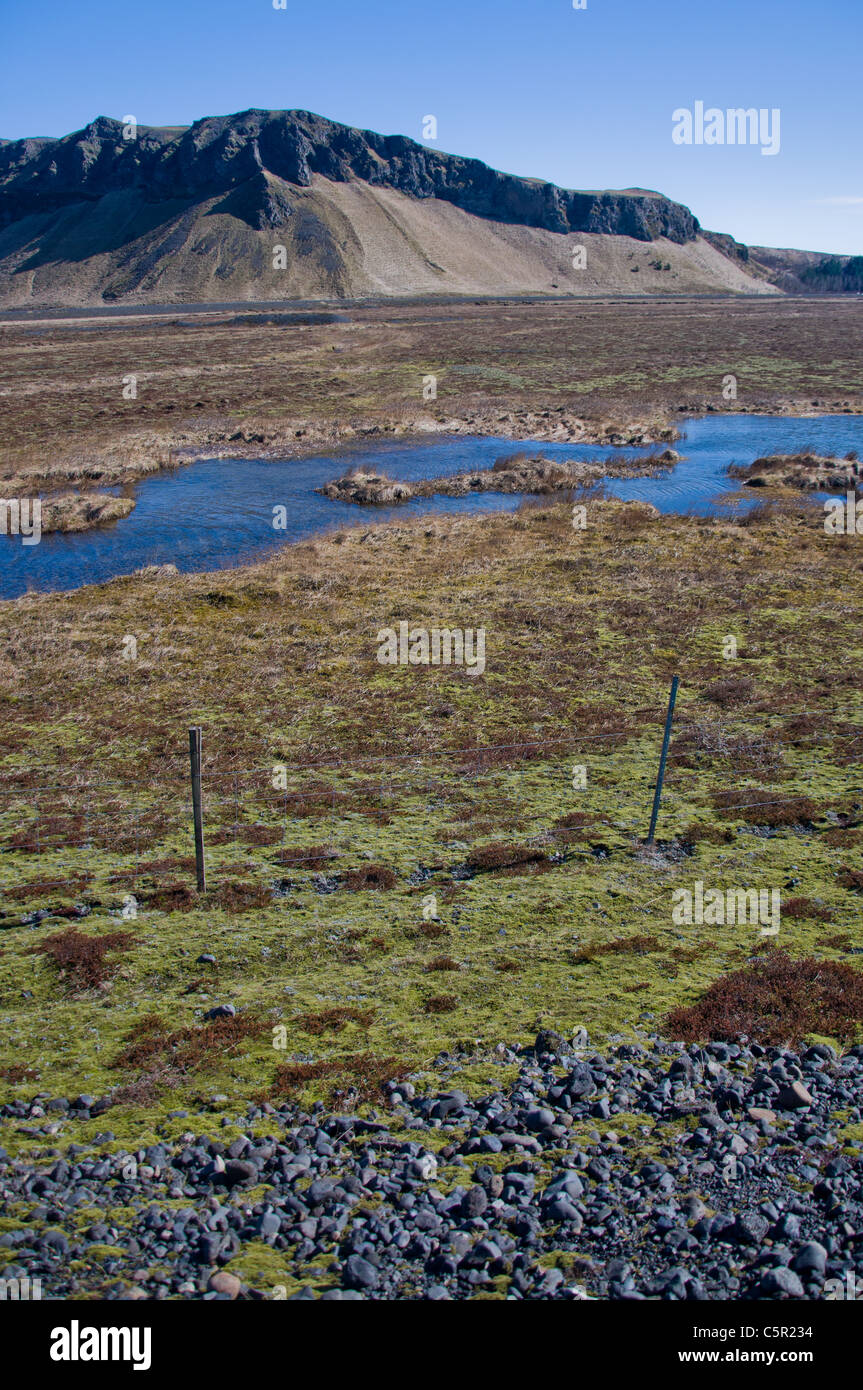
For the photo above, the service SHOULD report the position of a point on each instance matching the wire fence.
(442, 801)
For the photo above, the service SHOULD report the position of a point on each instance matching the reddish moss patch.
(187, 1049)
(698, 833)
(246, 834)
(806, 908)
(776, 1001)
(16, 1074)
(735, 690)
(239, 897)
(623, 946)
(759, 806)
(39, 887)
(359, 1077)
(843, 836)
(851, 878)
(80, 958)
(311, 857)
(491, 858)
(233, 896)
(333, 1020)
(370, 876)
(440, 1004)
(443, 963)
(170, 897)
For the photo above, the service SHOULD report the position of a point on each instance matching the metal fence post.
(197, 808)
(661, 774)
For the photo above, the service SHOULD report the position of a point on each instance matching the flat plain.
(405, 870)
(245, 383)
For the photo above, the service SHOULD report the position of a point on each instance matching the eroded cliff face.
(253, 158)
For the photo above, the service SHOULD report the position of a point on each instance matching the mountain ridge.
(219, 153)
(198, 212)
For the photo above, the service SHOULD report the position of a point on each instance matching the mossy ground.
(384, 766)
(229, 381)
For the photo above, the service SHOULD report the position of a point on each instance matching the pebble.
(356, 1206)
(225, 1283)
(794, 1097)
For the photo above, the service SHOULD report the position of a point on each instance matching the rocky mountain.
(115, 213)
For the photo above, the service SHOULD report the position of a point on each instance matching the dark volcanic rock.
(254, 157)
(654, 1210)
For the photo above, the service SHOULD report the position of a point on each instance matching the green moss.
(106, 1252)
(495, 1289)
(308, 951)
(261, 1267)
(851, 1137)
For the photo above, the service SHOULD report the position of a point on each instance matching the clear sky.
(583, 97)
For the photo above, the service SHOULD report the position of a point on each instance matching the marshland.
(412, 871)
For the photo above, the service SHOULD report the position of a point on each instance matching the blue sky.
(581, 97)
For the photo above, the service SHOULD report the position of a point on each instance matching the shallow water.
(219, 512)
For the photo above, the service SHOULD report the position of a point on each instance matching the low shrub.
(81, 958)
(851, 878)
(759, 806)
(187, 1049)
(806, 908)
(356, 1078)
(775, 1001)
(377, 876)
(638, 945)
(440, 1004)
(489, 858)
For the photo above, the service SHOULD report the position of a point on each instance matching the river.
(217, 513)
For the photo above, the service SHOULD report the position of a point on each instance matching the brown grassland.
(339, 793)
(239, 384)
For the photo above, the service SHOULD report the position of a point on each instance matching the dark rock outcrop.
(251, 158)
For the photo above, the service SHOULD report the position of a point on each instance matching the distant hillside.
(809, 272)
(195, 213)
